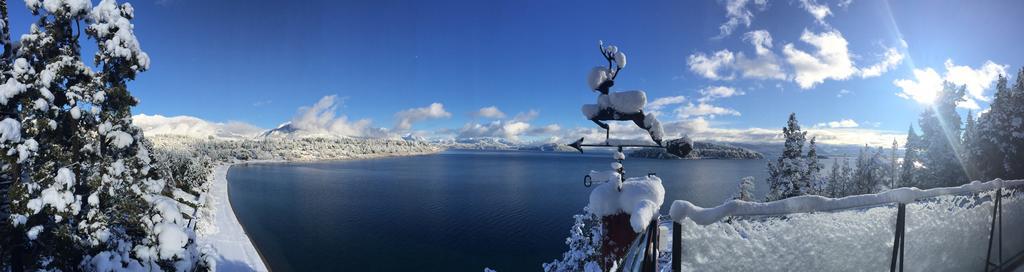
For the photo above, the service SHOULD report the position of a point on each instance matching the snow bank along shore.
(221, 231)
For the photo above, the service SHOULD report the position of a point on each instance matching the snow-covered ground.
(223, 233)
(947, 230)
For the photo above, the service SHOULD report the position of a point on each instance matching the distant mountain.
(481, 143)
(701, 150)
(774, 150)
(285, 129)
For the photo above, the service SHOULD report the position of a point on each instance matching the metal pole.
(652, 244)
(677, 247)
(897, 244)
(992, 229)
(903, 234)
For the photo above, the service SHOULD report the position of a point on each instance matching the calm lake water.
(453, 211)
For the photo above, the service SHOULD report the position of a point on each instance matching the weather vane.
(621, 106)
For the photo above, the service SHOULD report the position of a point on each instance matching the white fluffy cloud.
(927, 82)
(490, 112)
(819, 11)
(975, 80)
(511, 129)
(192, 126)
(830, 59)
(845, 123)
(321, 118)
(404, 119)
(724, 64)
(717, 92)
(890, 60)
(737, 12)
(655, 107)
(713, 66)
(704, 109)
(923, 88)
(662, 102)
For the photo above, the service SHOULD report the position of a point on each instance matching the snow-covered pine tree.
(862, 179)
(832, 183)
(993, 135)
(1014, 148)
(908, 170)
(8, 111)
(48, 200)
(785, 176)
(84, 197)
(809, 179)
(154, 233)
(745, 190)
(893, 166)
(940, 138)
(870, 172)
(970, 146)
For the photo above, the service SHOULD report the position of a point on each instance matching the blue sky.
(258, 62)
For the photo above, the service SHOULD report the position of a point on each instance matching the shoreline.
(229, 239)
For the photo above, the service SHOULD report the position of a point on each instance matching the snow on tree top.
(66, 7)
(111, 25)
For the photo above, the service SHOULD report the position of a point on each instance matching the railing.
(642, 255)
(961, 210)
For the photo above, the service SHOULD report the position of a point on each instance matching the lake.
(451, 211)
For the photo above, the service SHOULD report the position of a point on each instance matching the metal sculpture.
(622, 106)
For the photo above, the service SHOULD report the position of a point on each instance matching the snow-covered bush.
(584, 245)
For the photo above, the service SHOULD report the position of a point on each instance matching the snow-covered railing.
(944, 228)
(682, 209)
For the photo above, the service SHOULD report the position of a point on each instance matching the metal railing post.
(652, 244)
(996, 215)
(898, 242)
(677, 246)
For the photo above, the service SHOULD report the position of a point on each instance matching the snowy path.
(228, 238)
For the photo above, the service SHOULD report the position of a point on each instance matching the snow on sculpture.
(640, 197)
(618, 106)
